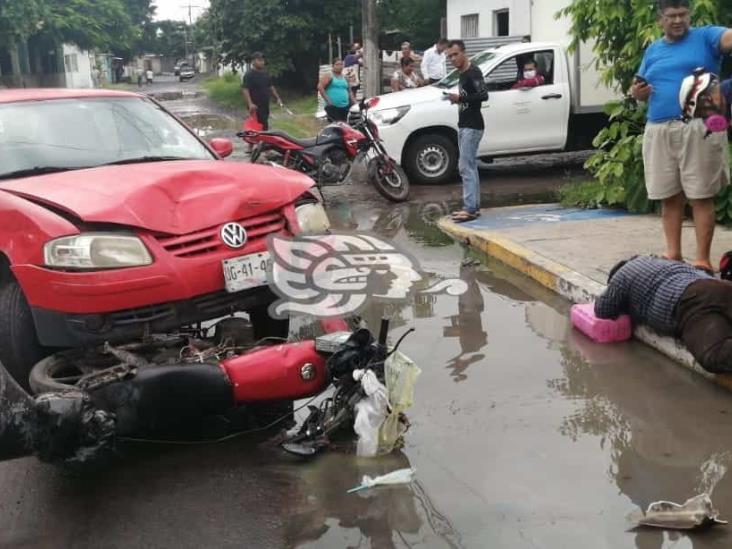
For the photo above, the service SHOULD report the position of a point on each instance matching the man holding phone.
(680, 162)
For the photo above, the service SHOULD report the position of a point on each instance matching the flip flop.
(463, 217)
(463, 212)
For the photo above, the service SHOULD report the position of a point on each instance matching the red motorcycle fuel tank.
(279, 372)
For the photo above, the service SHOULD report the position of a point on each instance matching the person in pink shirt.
(530, 78)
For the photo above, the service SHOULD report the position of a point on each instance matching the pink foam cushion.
(599, 329)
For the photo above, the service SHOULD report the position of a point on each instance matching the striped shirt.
(648, 289)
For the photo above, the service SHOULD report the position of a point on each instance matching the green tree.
(19, 19)
(415, 20)
(292, 33)
(620, 31)
(105, 24)
(166, 38)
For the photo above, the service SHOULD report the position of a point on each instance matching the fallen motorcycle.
(329, 157)
(193, 385)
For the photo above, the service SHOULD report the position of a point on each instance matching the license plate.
(248, 271)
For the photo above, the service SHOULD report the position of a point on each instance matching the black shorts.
(337, 113)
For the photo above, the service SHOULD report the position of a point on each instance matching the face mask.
(529, 74)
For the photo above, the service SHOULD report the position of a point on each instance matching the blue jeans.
(468, 142)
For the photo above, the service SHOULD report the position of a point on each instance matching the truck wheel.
(19, 347)
(432, 159)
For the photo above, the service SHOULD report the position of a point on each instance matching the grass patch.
(227, 92)
(586, 194)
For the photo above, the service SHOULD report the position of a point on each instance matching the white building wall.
(519, 20)
(544, 27)
(77, 67)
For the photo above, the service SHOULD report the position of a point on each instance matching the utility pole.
(372, 54)
(190, 25)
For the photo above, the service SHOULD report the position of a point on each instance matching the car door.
(525, 119)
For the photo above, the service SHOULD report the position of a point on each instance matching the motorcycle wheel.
(389, 179)
(59, 372)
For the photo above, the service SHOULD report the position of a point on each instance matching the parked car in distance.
(177, 67)
(186, 73)
(117, 221)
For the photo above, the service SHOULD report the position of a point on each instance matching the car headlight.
(96, 251)
(389, 116)
(312, 218)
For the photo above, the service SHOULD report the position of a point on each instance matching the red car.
(117, 221)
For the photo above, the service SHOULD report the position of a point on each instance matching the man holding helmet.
(683, 159)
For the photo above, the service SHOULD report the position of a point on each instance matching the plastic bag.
(400, 476)
(401, 376)
(252, 123)
(371, 412)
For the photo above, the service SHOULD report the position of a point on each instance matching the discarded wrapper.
(400, 476)
(697, 512)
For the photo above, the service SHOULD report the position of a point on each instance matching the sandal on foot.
(704, 269)
(463, 217)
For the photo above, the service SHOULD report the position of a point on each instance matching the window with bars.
(469, 26)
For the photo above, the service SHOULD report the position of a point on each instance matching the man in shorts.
(680, 161)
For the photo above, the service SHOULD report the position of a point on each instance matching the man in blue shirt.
(680, 161)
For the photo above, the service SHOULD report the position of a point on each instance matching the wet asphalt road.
(524, 434)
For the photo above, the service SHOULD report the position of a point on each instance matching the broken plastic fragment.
(697, 512)
(400, 476)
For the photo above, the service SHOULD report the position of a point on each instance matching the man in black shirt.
(257, 87)
(472, 93)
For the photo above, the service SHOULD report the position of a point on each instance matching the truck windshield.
(65, 134)
(481, 60)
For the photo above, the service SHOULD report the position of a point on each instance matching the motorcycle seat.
(305, 143)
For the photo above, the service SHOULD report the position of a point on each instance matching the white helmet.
(695, 93)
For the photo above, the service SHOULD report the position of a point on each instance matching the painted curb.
(570, 284)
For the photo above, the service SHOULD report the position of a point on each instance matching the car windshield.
(55, 135)
(482, 60)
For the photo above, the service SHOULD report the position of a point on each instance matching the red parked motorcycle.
(329, 157)
(194, 385)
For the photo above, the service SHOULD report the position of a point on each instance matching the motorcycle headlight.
(389, 116)
(312, 218)
(91, 251)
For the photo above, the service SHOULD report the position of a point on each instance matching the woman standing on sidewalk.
(336, 92)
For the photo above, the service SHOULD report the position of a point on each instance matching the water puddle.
(211, 125)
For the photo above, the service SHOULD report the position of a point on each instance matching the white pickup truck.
(419, 127)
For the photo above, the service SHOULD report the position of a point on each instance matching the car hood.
(168, 197)
(409, 97)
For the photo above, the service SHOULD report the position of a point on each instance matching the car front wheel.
(19, 347)
(432, 159)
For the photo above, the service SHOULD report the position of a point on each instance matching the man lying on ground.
(674, 299)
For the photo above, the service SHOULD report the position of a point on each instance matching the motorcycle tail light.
(371, 103)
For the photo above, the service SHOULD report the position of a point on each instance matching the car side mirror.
(222, 146)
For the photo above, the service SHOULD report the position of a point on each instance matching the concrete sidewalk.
(570, 251)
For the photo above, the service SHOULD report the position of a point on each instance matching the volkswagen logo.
(234, 235)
